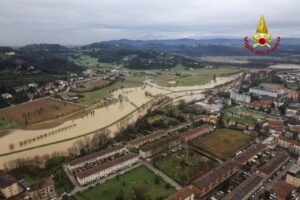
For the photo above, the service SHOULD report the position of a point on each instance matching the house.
(292, 145)
(276, 126)
(282, 190)
(103, 170)
(293, 176)
(148, 138)
(293, 95)
(9, 186)
(42, 190)
(273, 165)
(263, 93)
(6, 96)
(156, 147)
(246, 188)
(189, 135)
(186, 193)
(94, 157)
(240, 98)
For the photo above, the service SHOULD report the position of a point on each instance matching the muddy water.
(102, 117)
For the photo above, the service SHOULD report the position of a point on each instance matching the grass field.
(222, 143)
(38, 111)
(90, 62)
(6, 123)
(193, 77)
(242, 115)
(95, 96)
(139, 177)
(175, 167)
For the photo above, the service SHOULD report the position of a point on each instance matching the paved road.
(78, 188)
(161, 174)
(268, 185)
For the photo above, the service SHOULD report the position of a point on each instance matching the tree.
(120, 195)
(140, 192)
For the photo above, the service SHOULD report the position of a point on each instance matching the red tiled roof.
(46, 182)
(184, 193)
(282, 189)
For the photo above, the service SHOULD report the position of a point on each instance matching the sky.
(76, 22)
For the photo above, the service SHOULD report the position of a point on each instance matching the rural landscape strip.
(93, 132)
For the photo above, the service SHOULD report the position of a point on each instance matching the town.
(239, 142)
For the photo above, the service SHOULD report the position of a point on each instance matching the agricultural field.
(222, 143)
(242, 115)
(177, 168)
(190, 77)
(90, 85)
(90, 98)
(38, 111)
(139, 179)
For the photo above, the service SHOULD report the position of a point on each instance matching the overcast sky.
(86, 21)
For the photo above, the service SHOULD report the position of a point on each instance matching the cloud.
(80, 22)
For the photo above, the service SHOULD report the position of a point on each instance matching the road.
(161, 174)
(268, 185)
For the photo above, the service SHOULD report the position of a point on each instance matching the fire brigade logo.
(261, 40)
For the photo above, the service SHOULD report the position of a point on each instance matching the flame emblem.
(262, 36)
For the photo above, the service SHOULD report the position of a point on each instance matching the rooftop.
(282, 189)
(94, 155)
(273, 164)
(244, 188)
(6, 180)
(106, 165)
(158, 143)
(46, 182)
(184, 193)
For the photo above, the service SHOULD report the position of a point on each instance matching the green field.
(175, 167)
(6, 123)
(95, 96)
(154, 187)
(242, 115)
(90, 62)
(193, 77)
(223, 143)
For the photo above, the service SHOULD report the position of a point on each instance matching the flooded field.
(285, 66)
(97, 119)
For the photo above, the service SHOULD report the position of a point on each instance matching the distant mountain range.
(192, 42)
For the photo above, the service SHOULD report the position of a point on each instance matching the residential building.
(292, 145)
(219, 174)
(210, 108)
(93, 157)
(293, 176)
(103, 170)
(240, 98)
(148, 138)
(276, 126)
(293, 95)
(189, 135)
(246, 188)
(43, 190)
(156, 147)
(263, 93)
(274, 165)
(9, 186)
(282, 190)
(186, 193)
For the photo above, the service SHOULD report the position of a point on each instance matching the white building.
(105, 169)
(260, 93)
(93, 157)
(240, 98)
(6, 96)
